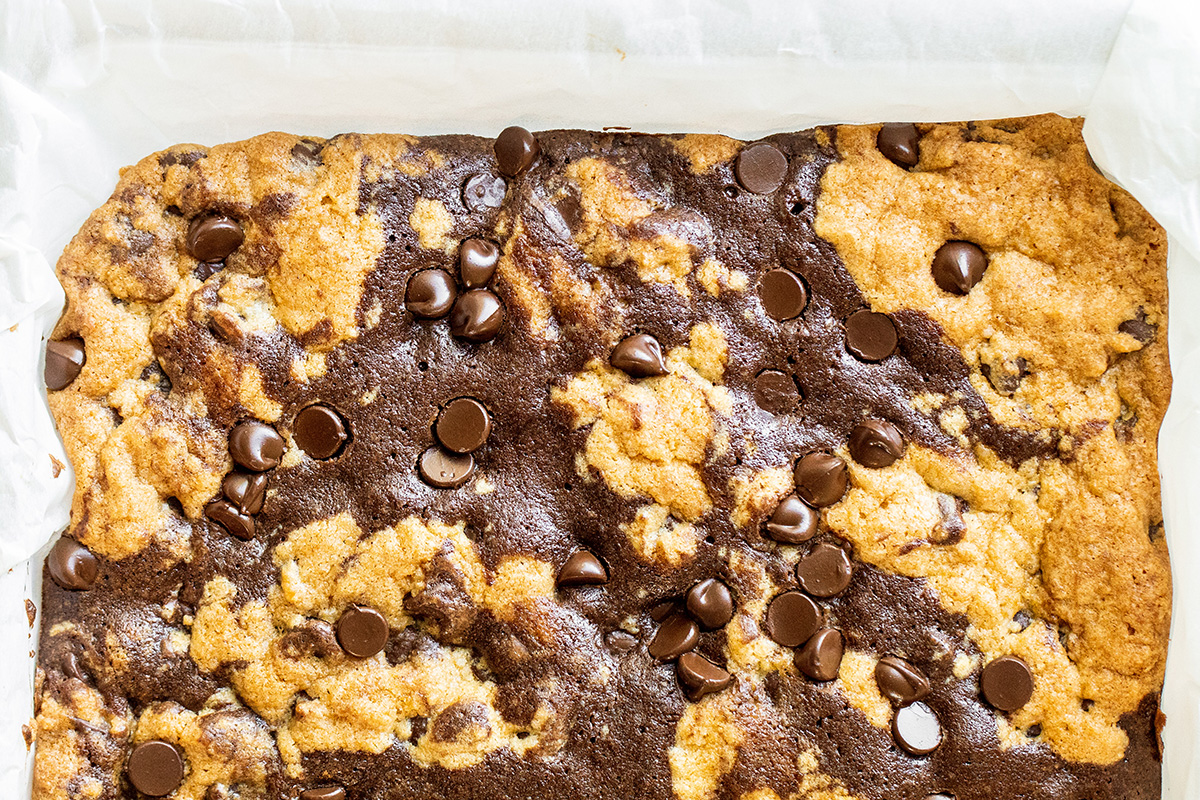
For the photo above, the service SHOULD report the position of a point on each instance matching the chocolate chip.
(582, 569)
(825, 571)
(483, 191)
(676, 636)
(821, 479)
(71, 667)
(309, 637)
(760, 168)
(206, 269)
(663, 610)
(430, 294)
(794, 521)
(64, 361)
(1005, 374)
(699, 676)
(791, 619)
(477, 316)
(246, 490)
(958, 266)
(783, 294)
(213, 238)
(1139, 329)
(898, 143)
(870, 336)
(324, 793)
(1007, 683)
(710, 603)
(319, 431)
(916, 729)
(1022, 619)
(445, 470)
(821, 656)
(362, 631)
(639, 356)
(155, 768)
(71, 565)
(308, 152)
(899, 681)
(776, 392)
(876, 443)
(255, 445)
(477, 259)
(228, 517)
(620, 642)
(516, 148)
(463, 425)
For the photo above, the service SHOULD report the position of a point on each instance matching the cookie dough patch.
(856, 680)
(707, 740)
(71, 722)
(705, 150)
(432, 223)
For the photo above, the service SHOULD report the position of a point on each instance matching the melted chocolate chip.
(155, 768)
(1139, 329)
(899, 681)
(213, 238)
(761, 168)
(1007, 683)
(916, 729)
(477, 260)
(246, 490)
(783, 294)
(206, 269)
(710, 603)
(676, 636)
(64, 362)
(582, 569)
(958, 266)
(324, 793)
(639, 356)
(516, 149)
(791, 619)
(463, 425)
(445, 470)
(898, 142)
(776, 392)
(821, 656)
(228, 517)
(876, 443)
(484, 191)
(821, 479)
(620, 642)
(699, 676)
(71, 565)
(362, 631)
(255, 445)
(320, 432)
(825, 571)
(430, 294)
(870, 336)
(793, 522)
(477, 316)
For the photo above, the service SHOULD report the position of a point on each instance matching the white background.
(88, 86)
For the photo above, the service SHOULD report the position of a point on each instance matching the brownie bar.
(611, 465)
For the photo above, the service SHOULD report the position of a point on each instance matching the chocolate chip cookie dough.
(610, 465)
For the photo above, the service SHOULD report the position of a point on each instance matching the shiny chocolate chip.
(676, 636)
(463, 425)
(516, 149)
(64, 362)
(213, 238)
(206, 269)
(760, 168)
(898, 143)
(870, 336)
(430, 294)
(916, 729)
(876, 443)
(71, 565)
(793, 522)
(477, 260)
(1007, 683)
(225, 514)
(699, 676)
(445, 470)
(639, 356)
(821, 479)
(246, 490)
(582, 569)
(821, 656)
(620, 642)
(155, 768)
(710, 603)
(958, 266)
(825, 571)
(362, 631)
(320, 431)
(791, 619)
(783, 294)
(255, 445)
(484, 191)
(324, 793)
(899, 681)
(776, 392)
(477, 316)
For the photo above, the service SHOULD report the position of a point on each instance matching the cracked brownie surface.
(611, 465)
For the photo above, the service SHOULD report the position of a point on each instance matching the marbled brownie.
(610, 465)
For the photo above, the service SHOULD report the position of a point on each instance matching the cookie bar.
(611, 465)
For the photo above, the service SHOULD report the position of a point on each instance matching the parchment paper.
(89, 86)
